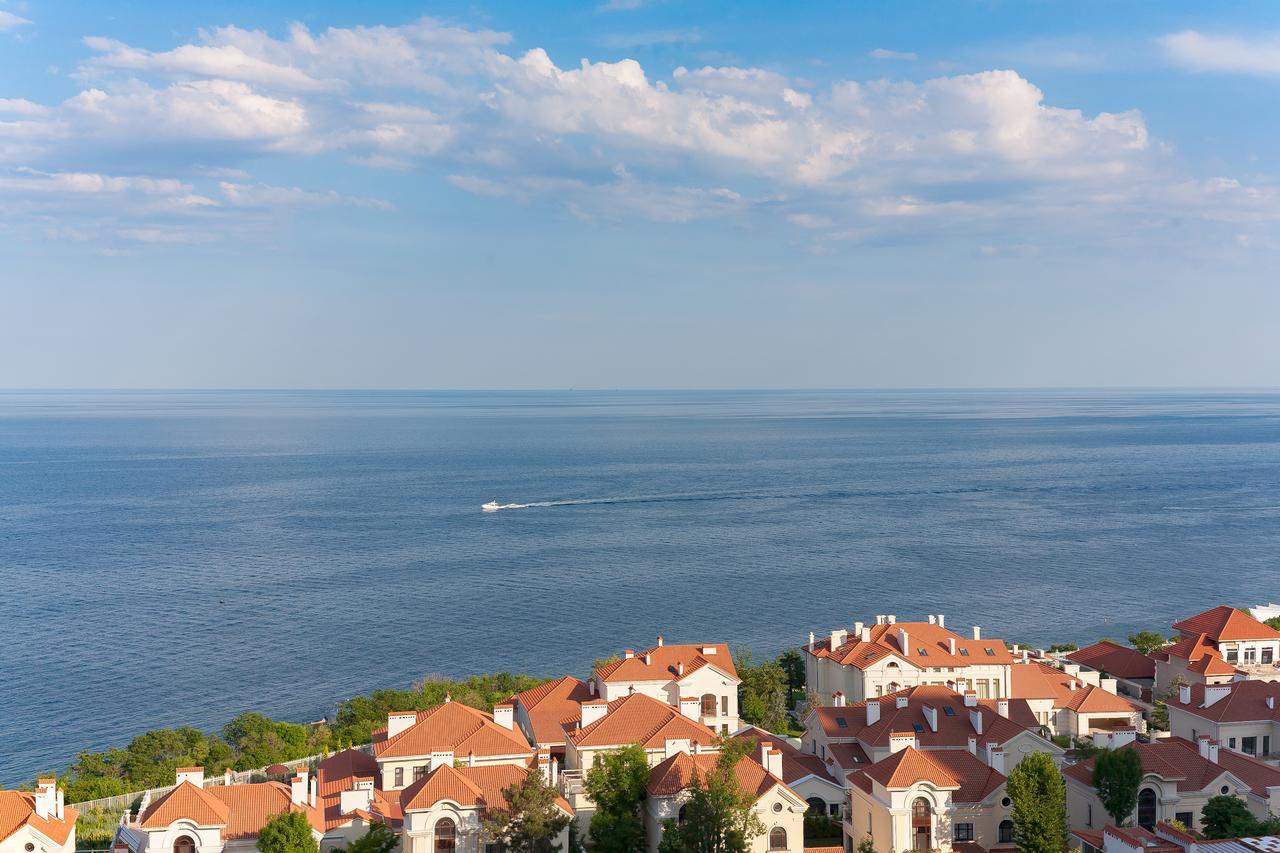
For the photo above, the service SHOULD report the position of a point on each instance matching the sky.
(639, 194)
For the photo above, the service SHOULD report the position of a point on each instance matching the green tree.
(762, 695)
(616, 784)
(151, 758)
(1146, 641)
(1039, 797)
(376, 839)
(719, 815)
(1159, 717)
(1227, 817)
(792, 663)
(1062, 647)
(1273, 623)
(1117, 773)
(289, 832)
(260, 741)
(531, 820)
(866, 845)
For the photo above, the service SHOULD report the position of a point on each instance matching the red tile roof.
(1037, 680)
(972, 780)
(1115, 659)
(675, 774)
(643, 720)
(664, 663)
(338, 773)
(1227, 623)
(242, 810)
(468, 787)
(184, 802)
(796, 765)
(933, 640)
(1173, 759)
(549, 704)
(1245, 701)
(18, 809)
(953, 730)
(452, 726)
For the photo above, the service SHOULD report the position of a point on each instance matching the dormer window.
(990, 652)
(948, 711)
(919, 729)
(922, 651)
(964, 653)
(842, 723)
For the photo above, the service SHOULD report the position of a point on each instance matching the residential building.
(350, 799)
(1239, 641)
(1240, 715)
(944, 799)
(1070, 701)
(37, 821)
(540, 712)
(1178, 778)
(875, 659)
(192, 818)
(937, 718)
(410, 745)
(780, 809)
(1191, 660)
(806, 774)
(675, 674)
(1134, 672)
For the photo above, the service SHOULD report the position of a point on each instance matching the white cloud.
(9, 21)
(1256, 54)
(224, 61)
(21, 106)
(884, 53)
(262, 195)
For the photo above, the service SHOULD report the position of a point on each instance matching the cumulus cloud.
(10, 21)
(1256, 54)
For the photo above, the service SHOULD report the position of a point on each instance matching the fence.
(120, 802)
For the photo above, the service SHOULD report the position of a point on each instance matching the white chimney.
(904, 642)
(312, 791)
(971, 699)
(1271, 702)
(504, 715)
(1202, 743)
(977, 632)
(62, 804)
(691, 707)
(865, 634)
(298, 789)
(857, 628)
(900, 701)
(46, 798)
(628, 654)
(995, 757)
(441, 758)
(1072, 669)
(708, 650)
(680, 669)
(973, 745)
(659, 641)
(837, 638)
(931, 717)
(396, 723)
(942, 621)
(471, 758)
(1214, 692)
(1002, 707)
(591, 687)
(648, 659)
(975, 720)
(892, 619)
(1184, 694)
(837, 699)
(1122, 736)
(899, 741)
(227, 777)
(1213, 751)
(592, 711)
(674, 746)
(770, 758)
(951, 646)
(811, 640)
(933, 620)
(1073, 685)
(1107, 684)
(194, 775)
(873, 711)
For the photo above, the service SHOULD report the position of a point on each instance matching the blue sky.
(639, 193)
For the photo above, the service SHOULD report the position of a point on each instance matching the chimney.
(899, 741)
(951, 646)
(811, 640)
(659, 641)
(1184, 694)
(674, 746)
(398, 722)
(471, 758)
(1072, 669)
(440, 758)
(591, 687)
(904, 642)
(975, 720)
(592, 711)
(1002, 708)
(933, 620)
(931, 717)
(1213, 751)
(46, 798)
(973, 745)
(971, 698)
(770, 758)
(900, 701)
(504, 715)
(1202, 743)
(680, 669)
(691, 707)
(837, 699)
(942, 621)
(1122, 736)
(648, 659)
(1073, 685)
(1107, 684)
(837, 638)
(1026, 655)
(1215, 692)
(879, 618)
(194, 775)
(865, 634)
(312, 791)
(892, 619)
(873, 711)
(995, 757)
(359, 797)
(977, 632)
(227, 776)
(61, 805)
(628, 654)
(298, 789)
(857, 628)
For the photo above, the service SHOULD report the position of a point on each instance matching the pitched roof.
(664, 663)
(1244, 701)
(932, 640)
(185, 802)
(796, 765)
(1169, 758)
(549, 704)
(481, 786)
(972, 780)
(1257, 774)
(18, 809)
(338, 773)
(643, 720)
(1037, 680)
(674, 774)
(454, 727)
(1224, 623)
(1115, 659)
(954, 727)
(249, 807)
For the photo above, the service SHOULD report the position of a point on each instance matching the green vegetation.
(1117, 773)
(1228, 817)
(616, 784)
(1062, 647)
(378, 839)
(1147, 641)
(718, 816)
(765, 692)
(96, 827)
(531, 821)
(1039, 797)
(258, 740)
(1159, 718)
(866, 845)
(1273, 622)
(289, 832)
(822, 830)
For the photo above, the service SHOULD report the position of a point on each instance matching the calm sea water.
(176, 558)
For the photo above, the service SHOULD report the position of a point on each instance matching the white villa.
(37, 821)
(678, 675)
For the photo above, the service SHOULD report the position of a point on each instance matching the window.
(962, 832)
(842, 723)
(709, 705)
(724, 706)
(922, 652)
(921, 811)
(1266, 744)
(1250, 655)
(494, 847)
(948, 711)
(835, 809)
(399, 777)
(1231, 742)
(1249, 745)
(446, 834)
(184, 844)
(1268, 654)
(1187, 819)
(681, 814)
(964, 653)
(817, 805)
(419, 772)
(990, 652)
(919, 729)
(1232, 655)
(1006, 832)
(1147, 808)
(777, 838)
(1089, 818)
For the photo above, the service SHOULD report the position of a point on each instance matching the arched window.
(184, 844)
(817, 805)
(1147, 808)
(446, 834)
(680, 815)
(708, 704)
(777, 838)
(922, 824)
(1006, 832)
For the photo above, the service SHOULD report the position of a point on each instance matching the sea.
(175, 558)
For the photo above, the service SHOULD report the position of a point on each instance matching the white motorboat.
(491, 506)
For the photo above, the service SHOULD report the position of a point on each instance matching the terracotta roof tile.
(1174, 759)
(467, 786)
(451, 726)
(18, 809)
(674, 774)
(1226, 623)
(972, 780)
(548, 705)
(642, 720)
(1115, 659)
(249, 807)
(184, 802)
(954, 728)
(934, 640)
(1246, 700)
(664, 663)
(1037, 680)
(796, 765)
